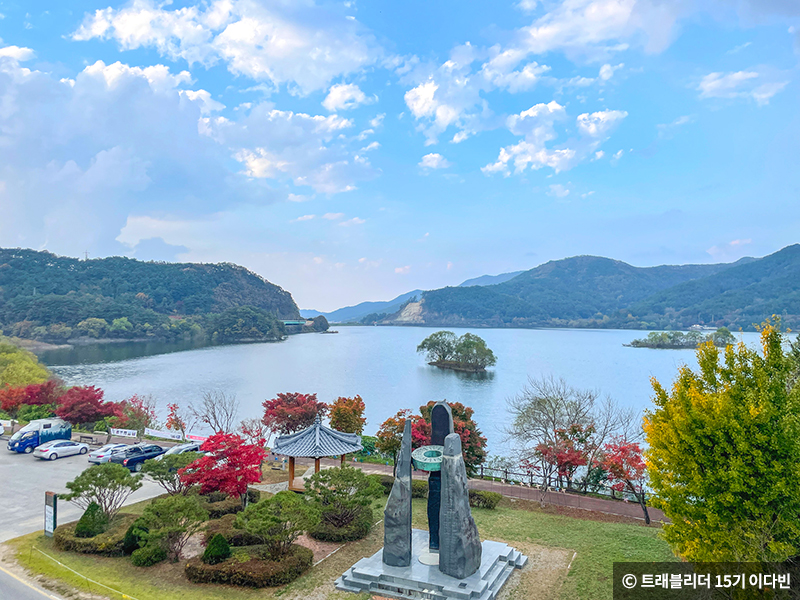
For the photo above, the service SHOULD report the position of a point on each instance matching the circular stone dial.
(428, 458)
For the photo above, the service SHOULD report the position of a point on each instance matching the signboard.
(50, 513)
(167, 435)
(196, 438)
(5, 423)
(131, 433)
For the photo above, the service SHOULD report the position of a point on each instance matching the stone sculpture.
(441, 427)
(397, 516)
(460, 545)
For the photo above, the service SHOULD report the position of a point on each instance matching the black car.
(134, 456)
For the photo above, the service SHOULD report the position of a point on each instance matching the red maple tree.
(292, 411)
(229, 466)
(626, 469)
(11, 398)
(473, 443)
(48, 392)
(174, 420)
(84, 404)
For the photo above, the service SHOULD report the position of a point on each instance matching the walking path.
(611, 507)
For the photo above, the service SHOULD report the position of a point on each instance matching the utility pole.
(85, 255)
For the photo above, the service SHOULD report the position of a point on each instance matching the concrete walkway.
(571, 500)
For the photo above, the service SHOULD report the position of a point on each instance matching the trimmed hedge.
(357, 529)
(234, 537)
(419, 487)
(255, 572)
(108, 543)
(148, 556)
(218, 504)
(484, 499)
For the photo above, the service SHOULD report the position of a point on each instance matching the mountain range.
(593, 291)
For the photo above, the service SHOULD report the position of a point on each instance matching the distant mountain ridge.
(354, 314)
(591, 291)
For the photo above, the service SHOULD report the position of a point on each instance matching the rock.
(459, 543)
(441, 427)
(397, 515)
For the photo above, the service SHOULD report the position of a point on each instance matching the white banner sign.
(5, 423)
(196, 438)
(131, 433)
(167, 435)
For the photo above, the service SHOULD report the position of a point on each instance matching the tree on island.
(466, 353)
(290, 412)
(678, 339)
(724, 453)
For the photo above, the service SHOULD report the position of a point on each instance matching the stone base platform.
(419, 581)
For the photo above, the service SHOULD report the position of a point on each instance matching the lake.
(382, 366)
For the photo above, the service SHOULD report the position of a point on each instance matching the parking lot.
(24, 481)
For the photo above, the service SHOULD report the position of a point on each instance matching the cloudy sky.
(355, 150)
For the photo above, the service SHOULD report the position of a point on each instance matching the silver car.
(181, 448)
(59, 448)
(103, 454)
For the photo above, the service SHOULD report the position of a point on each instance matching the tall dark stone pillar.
(460, 544)
(397, 516)
(441, 427)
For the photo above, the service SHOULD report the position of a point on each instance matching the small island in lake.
(679, 339)
(467, 353)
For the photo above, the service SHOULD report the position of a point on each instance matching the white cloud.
(377, 121)
(17, 53)
(739, 84)
(598, 155)
(305, 218)
(607, 71)
(739, 48)
(297, 198)
(370, 147)
(434, 161)
(403, 270)
(537, 126)
(617, 155)
(344, 96)
(353, 221)
(599, 123)
(298, 44)
(333, 216)
(730, 251)
(558, 190)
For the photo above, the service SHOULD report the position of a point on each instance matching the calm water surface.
(381, 365)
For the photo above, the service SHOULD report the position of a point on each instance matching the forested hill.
(591, 291)
(40, 289)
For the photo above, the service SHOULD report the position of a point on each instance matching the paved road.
(13, 587)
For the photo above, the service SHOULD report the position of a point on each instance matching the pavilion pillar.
(291, 471)
(316, 465)
(342, 464)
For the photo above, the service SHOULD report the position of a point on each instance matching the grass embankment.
(597, 545)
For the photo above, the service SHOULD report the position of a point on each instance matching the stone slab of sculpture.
(459, 542)
(441, 427)
(397, 516)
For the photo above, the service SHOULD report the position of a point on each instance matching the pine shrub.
(148, 556)
(93, 522)
(218, 549)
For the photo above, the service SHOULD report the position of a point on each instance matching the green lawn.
(598, 545)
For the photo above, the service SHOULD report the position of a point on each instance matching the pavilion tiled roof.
(317, 441)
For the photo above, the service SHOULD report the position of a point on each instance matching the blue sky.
(355, 150)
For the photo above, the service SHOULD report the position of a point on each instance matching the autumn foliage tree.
(724, 453)
(347, 415)
(390, 436)
(229, 466)
(138, 412)
(84, 405)
(473, 443)
(290, 412)
(625, 469)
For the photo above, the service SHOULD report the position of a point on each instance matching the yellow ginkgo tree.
(724, 453)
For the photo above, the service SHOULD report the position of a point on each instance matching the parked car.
(181, 448)
(37, 432)
(133, 456)
(59, 448)
(103, 454)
